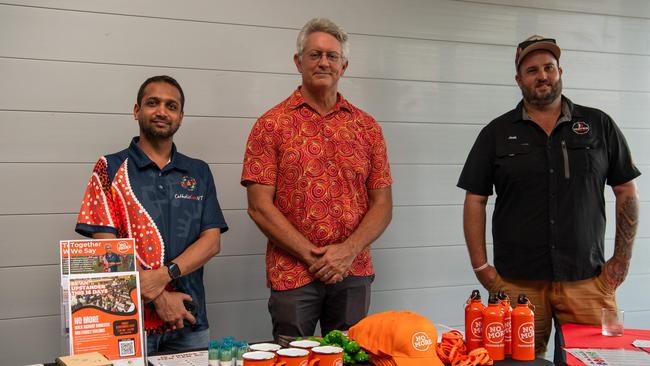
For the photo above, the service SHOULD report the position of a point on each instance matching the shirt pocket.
(513, 161)
(577, 156)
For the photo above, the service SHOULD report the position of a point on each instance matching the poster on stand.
(101, 291)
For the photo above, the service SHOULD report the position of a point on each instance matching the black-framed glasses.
(317, 55)
(525, 44)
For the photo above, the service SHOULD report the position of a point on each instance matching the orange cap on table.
(401, 338)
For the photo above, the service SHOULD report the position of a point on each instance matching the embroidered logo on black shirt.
(580, 128)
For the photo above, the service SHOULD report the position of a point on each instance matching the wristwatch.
(173, 270)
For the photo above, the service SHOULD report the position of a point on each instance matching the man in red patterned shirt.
(319, 187)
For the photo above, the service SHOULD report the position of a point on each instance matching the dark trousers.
(295, 312)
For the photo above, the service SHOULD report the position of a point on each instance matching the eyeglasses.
(525, 44)
(317, 55)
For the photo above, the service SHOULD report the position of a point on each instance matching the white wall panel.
(66, 184)
(82, 138)
(30, 240)
(423, 226)
(417, 143)
(208, 93)
(423, 185)
(415, 185)
(413, 59)
(630, 296)
(235, 278)
(640, 254)
(36, 293)
(243, 238)
(629, 8)
(245, 94)
(210, 47)
(421, 267)
(31, 340)
(440, 304)
(244, 320)
(637, 319)
(423, 19)
(61, 192)
(62, 137)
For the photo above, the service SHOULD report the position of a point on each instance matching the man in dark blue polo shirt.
(168, 202)
(548, 161)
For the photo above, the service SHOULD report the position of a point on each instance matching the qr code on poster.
(127, 347)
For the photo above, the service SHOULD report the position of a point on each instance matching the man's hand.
(333, 263)
(487, 277)
(616, 270)
(170, 308)
(153, 282)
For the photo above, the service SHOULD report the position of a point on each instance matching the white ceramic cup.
(266, 347)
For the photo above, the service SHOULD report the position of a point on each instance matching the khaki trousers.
(576, 302)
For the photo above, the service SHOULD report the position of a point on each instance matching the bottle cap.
(522, 299)
(476, 295)
(502, 295)
(493, 299)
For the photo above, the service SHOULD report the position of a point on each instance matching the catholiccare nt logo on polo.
(189, 183)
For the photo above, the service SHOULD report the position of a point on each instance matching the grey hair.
(326, 26)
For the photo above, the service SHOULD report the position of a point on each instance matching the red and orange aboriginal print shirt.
(322, 168)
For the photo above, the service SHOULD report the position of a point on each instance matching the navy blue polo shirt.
(549, 216)
(165, 210)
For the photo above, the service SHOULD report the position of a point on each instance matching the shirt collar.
(141, 160)
(296, 100)
(568, 111)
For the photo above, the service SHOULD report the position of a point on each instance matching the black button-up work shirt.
(549, 216)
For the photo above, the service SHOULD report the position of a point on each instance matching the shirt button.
(552, 221)
(551, 170)
(160, 186)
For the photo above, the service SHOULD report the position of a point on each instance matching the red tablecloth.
(588, 336)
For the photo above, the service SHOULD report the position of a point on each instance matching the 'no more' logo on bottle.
(477, 327)
(494, 332)
(526, 333)
(421, 341)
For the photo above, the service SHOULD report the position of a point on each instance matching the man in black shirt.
(549, 160)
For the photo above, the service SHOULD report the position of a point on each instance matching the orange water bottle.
(473, 321)
(523, 330)
(493, 329)
(507, 321)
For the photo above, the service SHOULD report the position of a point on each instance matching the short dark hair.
(161, 79)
